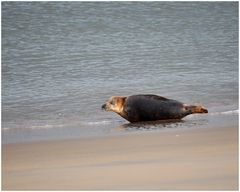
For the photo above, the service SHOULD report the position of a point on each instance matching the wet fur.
(138, 108)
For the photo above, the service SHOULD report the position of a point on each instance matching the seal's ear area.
(121, 100)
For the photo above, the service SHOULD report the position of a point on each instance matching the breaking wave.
(225, 112)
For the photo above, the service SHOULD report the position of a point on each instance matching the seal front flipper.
(130, 114)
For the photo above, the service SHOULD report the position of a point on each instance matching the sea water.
(62, 60)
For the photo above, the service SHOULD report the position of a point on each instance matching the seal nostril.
(103, 106)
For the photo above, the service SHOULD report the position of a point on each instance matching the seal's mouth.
(204, 110)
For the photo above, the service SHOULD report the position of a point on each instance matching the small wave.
(104, 122)
(33, 127)
(47, 126)
(226, 112)
(54, 126)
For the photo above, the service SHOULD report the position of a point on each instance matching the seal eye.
(112, 102)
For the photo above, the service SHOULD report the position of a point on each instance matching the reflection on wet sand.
(162, 124)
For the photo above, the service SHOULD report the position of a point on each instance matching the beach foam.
(230, 112)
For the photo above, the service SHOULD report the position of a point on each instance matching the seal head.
(115, 104)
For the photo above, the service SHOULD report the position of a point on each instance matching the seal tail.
(195, 109)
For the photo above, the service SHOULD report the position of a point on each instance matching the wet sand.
(189, 159)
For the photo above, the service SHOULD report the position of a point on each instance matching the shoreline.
(190, 159)
(118, 127)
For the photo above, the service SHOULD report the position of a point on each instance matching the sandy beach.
(189, 159)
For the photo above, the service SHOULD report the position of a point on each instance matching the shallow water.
(62, 60)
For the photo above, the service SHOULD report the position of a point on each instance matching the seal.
(137, 108)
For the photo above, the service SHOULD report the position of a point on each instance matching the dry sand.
(190, 159)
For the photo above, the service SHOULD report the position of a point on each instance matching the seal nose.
(104, 106)
(204, 110)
